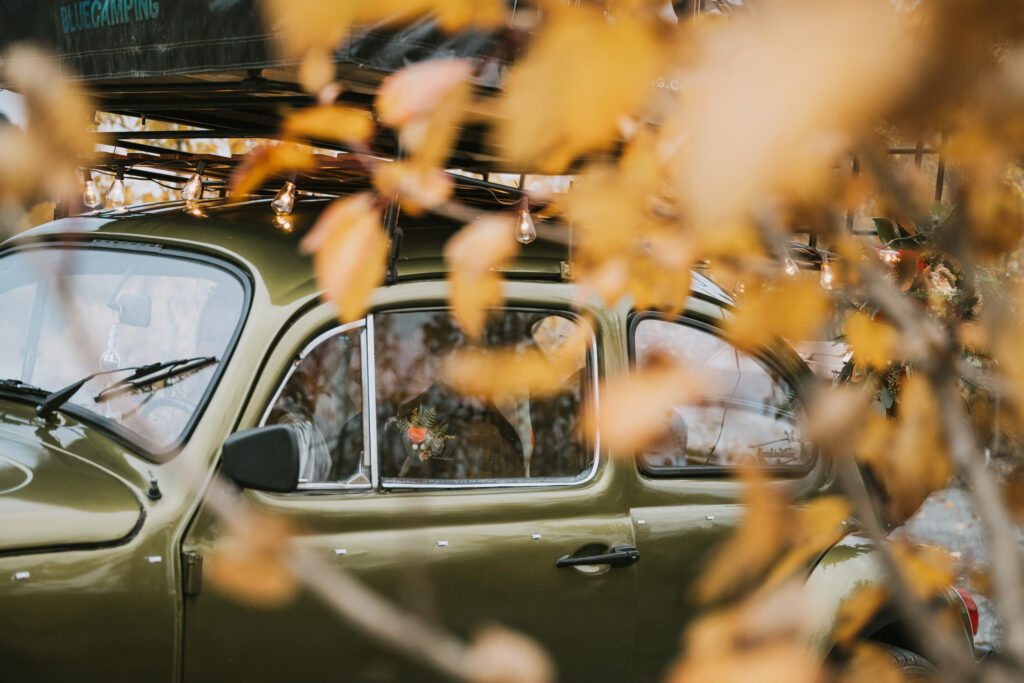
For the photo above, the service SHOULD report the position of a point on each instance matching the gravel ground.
(948, 519)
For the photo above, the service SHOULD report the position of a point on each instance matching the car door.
(684, 502)
(456, 508)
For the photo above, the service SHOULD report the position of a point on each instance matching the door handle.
(616, 557)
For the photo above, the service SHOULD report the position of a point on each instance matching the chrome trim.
(370, 405)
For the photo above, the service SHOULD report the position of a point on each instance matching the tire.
(912, 666)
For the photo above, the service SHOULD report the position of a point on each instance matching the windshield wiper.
(142, 376)
(22, 387)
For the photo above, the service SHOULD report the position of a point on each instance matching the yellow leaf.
(418, 187)
(760, 537)
(249, 565)
(928, 569)
(908, 454)
(500, 374)
(580, 75)
(874, 344)
(791, 309)
(634, 408)
(473, 254)
(856, 611)
(350, 252)
(498, 655)
(816, 527)
(265, 162)
(836, 414)
(332, 122)
(870, 664)
(775, 97)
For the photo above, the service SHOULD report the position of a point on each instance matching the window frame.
(762, 358)
(370, 442)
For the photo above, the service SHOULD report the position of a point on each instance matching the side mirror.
(265, 458)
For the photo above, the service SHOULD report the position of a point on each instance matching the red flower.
(417, 434)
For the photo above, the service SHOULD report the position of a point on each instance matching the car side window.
(747, 413)
(429, 433)
(323, 398)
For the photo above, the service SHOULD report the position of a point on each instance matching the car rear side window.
(747, 413)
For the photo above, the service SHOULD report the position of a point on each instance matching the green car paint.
(100, 580)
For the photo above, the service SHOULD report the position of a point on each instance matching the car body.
(104, 526)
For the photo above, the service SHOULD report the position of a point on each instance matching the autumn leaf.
(815, 528)
(857, 611)
(350, 251)
(773, 99)
(473, 255)
(420, 188)
(503, 373)
(874, 344)
(793, 309)
(426, 102)
(634, 409)
(870, 664)
(498, 655)
(333, 122)
(266, 162)
(836, 414)
(579, 77)
(929, 570)
(249, 565)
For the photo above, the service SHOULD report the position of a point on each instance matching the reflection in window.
(426, 431)
(745, 416)
(323, 399)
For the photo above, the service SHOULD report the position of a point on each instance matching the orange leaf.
(332, 122)
(268, 161)
(498, 655)
(415, 91)
(633, 408)
(870, 664)
(874, 344)
(928, 569)
(791, 309)
(350, 253)
(473, 254)
(419, 188)
(856, 611)
(249, 565)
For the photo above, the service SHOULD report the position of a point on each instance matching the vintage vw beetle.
(465, 512)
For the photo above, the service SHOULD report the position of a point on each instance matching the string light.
(889, 256)
(193, 189)
(284, 222)
(116, 197)
(284, 200)
(828, 278)
(526, 231)
(789, 265)
(90, 193)
(195, 210)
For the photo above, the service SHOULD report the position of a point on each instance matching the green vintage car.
(205, 328)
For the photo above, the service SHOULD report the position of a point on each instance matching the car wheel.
(912, 666)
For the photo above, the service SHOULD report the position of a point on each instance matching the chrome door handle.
(616, 557)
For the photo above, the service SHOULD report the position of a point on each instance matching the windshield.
(71, 312)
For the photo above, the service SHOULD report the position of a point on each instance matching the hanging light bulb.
(889, 256)
(90, 193)
(828, 277)
(789, 265)
(526, 231)
(284, 200)
(193, 189)
(115, 195)
(284, 222)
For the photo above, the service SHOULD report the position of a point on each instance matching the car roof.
(246, 231)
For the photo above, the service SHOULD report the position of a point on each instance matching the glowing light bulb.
(115, 195)
(526, 231)
(828, 278)
(889, 256)
(284, 222)
(195, 209)
(90, 193)
(193, 189)
(284, 200)
(789, 265)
